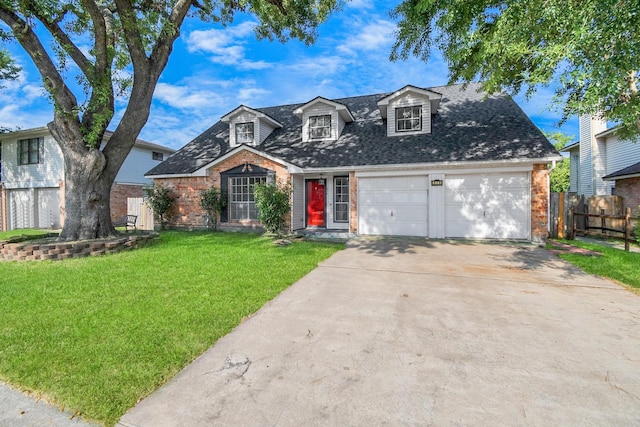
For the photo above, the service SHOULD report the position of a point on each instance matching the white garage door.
(21, 213)
(393, 206)
(488, 206)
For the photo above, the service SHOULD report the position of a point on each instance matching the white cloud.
(360, 4)
(372, 37)
(226, 45)
(317, 66)
(184, 97)
(247, 95)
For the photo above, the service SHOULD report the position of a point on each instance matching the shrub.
(160, 199)
(273, 203)
(213, 202)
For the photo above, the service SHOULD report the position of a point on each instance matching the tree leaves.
(590, 48)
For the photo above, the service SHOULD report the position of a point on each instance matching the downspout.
(549, 170)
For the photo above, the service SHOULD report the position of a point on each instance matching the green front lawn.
(95, 335)
(616, 264)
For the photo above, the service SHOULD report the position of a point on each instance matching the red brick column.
(629, 190)
(353, 203)
(539, 203)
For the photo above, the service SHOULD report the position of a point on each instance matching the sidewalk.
(19, 410)
(618, 244)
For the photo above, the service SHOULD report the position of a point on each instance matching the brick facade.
(629, 190)
(353, 203)
(539, 202)
(119, 195)
(187, 212)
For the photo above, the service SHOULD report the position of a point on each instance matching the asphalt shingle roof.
(630, 170)
(469, 126)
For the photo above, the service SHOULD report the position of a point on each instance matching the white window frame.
(241, 205)
(245, 133)
(340, 197)
(320, 123)
(30, 142)
(411, 116)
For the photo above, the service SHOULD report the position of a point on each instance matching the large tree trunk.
(87, 197)
(89, 175)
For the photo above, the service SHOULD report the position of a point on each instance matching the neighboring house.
(603, 164)
(438, 162)
(32, 178)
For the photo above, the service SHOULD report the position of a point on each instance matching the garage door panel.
(393, 206)
(488, 206)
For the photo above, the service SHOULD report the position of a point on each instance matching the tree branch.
(133, 39)
(102, 97)
(63, 40)
(62, 96)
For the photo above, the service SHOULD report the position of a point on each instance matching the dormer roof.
(434, 98)
(244, 109)
(342, 109)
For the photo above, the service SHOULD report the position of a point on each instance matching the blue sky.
(213, 69)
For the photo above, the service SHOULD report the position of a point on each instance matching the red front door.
(315, 203)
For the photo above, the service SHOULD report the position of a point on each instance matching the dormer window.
(408, 119)
(409, 110)
(320, 127)
(244, 133)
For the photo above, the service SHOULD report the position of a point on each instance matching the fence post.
(574, 218)
(627, 229)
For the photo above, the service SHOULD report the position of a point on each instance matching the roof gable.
(434, 98)
(227, 118)
(342, 109)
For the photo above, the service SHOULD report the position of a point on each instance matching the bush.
(213, 202)
(273, 203)
(160, 199)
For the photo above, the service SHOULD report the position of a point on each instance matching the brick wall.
(353, 203)
(629, 189)
(539, 202)
(187, 212)
(119, 195)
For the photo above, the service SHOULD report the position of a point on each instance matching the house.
(441, 162)
(603, 164)
(32, 178)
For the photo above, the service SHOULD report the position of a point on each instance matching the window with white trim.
(242, 205)
(408, 119)
(341, 199)
(29, 151)
(244, 133)
(320, 127)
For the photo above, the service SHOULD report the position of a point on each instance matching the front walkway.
(417, 332)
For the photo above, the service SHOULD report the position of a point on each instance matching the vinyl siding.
(49, 173)
(137, 163)
(620, 154)
(322, 109)
(409, 100)
(297, 213)
(588, 128)
(574, 168)
(264, 131)
(244, 117)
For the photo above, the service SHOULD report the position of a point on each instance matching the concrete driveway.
(414, 332)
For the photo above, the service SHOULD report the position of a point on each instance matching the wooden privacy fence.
(137, 206)
(595, 215)
(603, 225)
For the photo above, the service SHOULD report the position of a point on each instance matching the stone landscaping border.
(28, 248)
